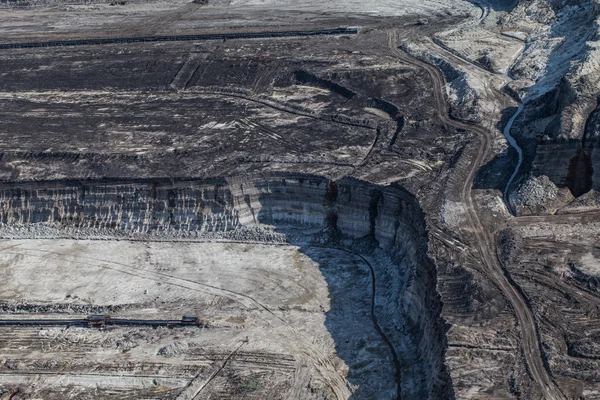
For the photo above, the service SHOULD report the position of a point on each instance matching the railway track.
(530, 336)
(384, 338)
(324, 365)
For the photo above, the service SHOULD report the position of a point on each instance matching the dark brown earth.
(338, 147)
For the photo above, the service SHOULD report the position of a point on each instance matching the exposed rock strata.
(561, 57)
(303, 207)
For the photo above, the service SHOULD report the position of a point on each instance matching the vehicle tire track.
(384, 338)
(321, 362)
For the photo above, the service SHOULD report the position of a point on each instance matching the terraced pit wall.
(298, 206)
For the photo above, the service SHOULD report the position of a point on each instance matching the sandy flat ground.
(305, 308)
(151, 274)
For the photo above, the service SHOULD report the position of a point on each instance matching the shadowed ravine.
(381, 333)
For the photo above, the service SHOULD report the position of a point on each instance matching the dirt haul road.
(531, 344)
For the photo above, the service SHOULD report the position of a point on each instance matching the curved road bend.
(531, 344)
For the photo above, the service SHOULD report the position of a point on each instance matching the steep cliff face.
(356, 209)
(348, 211)
(561, 59)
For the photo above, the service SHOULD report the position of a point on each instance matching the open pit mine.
(276, 199)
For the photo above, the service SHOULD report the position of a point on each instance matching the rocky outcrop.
(303, 207)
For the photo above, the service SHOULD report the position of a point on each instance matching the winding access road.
(530, 339)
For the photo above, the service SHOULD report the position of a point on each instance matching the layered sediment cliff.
(347, 213)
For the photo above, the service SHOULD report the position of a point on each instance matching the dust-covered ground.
(273, 320)
(321, 184)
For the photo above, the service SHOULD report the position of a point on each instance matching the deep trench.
(384, 337)
(303, 208)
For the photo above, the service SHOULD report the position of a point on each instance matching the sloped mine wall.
(301, 206)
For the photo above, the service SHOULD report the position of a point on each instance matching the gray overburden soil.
(273, 199)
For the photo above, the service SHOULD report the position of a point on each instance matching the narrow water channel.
(513, 143)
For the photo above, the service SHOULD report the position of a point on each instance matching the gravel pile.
(538, 195)
(173, 350)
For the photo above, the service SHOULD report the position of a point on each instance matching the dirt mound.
(538, 195)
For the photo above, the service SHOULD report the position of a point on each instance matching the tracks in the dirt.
(180, 38)
(531, 341)
(380, 332)
(263, 359)
(321, 363)
(192, 391)
(568, 219)
(386, 340)
(282, 106)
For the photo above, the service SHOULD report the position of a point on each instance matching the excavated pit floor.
(294, 320)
